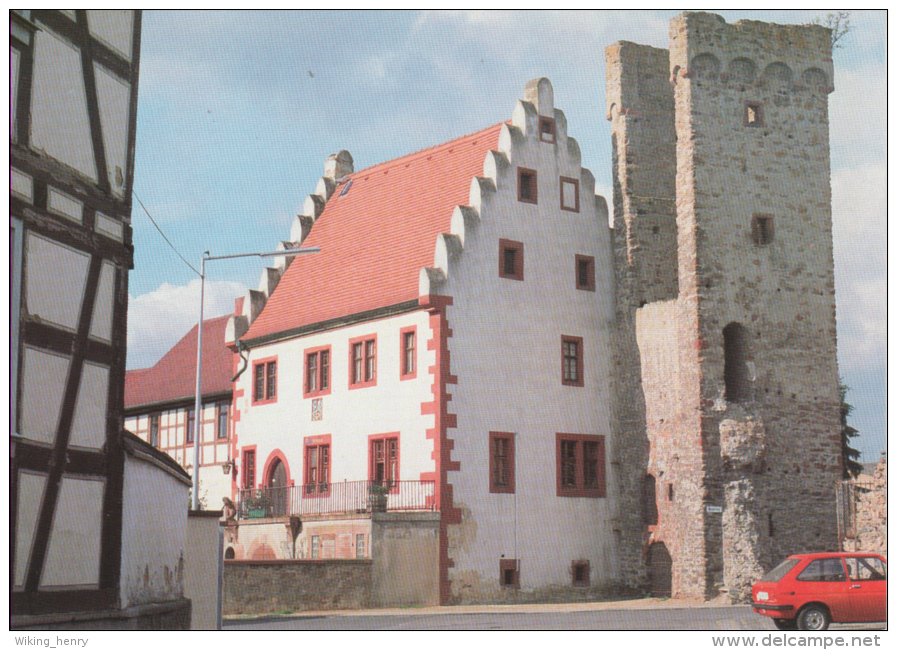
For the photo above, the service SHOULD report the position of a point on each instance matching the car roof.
(835, 554)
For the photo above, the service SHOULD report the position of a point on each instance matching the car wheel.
(785, 623)
(814, 618)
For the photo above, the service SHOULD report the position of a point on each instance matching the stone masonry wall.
(752, 133)
(872, 514)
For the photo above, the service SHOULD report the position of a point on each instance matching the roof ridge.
(428, 150)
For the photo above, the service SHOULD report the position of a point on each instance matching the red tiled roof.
(375, 239)
(174, 375)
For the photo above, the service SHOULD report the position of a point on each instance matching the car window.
(866, 568)
(823, 570)
(779, 572)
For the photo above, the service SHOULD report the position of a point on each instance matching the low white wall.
(202, 583)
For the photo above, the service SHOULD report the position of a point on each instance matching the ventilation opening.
(509, 574)
(581, 573)
(762, 229)
(546, 129)
(736, 373)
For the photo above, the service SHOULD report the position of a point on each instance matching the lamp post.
(197, 404)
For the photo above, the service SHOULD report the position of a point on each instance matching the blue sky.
(238, 111)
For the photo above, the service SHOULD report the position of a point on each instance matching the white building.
(449, 346)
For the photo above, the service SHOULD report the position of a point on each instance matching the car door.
(823, 581)
(867, 591)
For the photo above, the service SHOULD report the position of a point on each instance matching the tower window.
(510, 259)
(736, 372)
(527, 188)
(753, 114)
(546, 129)
(585, 273)
(762, 229)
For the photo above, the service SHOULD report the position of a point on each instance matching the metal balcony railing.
(347, 497)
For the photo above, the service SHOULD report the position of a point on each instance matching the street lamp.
(197, 404)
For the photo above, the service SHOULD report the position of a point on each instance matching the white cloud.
(159, 319)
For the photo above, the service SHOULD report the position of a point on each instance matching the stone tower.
(725, 299)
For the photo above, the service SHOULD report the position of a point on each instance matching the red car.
(808, 592)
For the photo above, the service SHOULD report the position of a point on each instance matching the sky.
(238, 111)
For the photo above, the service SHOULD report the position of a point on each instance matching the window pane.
(259, 388)
(510, 261)
(590, 464)
(357, 362)
(271, 389)
(222, 419)
(568, 463)
(369, 360)
(311, 372)
(325, 369)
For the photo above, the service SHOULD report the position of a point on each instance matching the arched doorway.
(660, 570)
(276, 482)
(229, 554)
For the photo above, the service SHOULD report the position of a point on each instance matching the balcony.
(348, 497)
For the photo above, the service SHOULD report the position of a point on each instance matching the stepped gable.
(174, 375)
(376, 237)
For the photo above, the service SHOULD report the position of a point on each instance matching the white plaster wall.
(101, 323)
(506, 353)
(55, 277)
(43, 384)
(154, 534)
(89, 422)
(73, 555)
(114, 27)
(113, 96)
(349, 416)
(59, 123)
(201, 576)
(31, 493)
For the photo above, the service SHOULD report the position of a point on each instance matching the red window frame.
(580, 465)
(367, 360)
(566, 378)
(589, 284)
(549, 126)
(505, 245)
(264, 384)
(408, 356)
(532, 184)
(575, 183)
(322, 358)
(317, 464)
(247, 466)
(387, 442)
(501, 448)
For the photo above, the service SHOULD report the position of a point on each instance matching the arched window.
(736, 373)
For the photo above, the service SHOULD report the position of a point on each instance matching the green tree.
(849, 455)
(839, 23)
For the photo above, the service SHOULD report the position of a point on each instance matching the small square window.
(569, 194)
(509, 574)
(547, 131)
(581, 572)
(762, 229)
(585, 272)
(753, 114)
(510, 259)
(527, 187)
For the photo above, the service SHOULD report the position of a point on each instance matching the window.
(317, 372)
(191, 425)
(222, 420)
(409, 352)
(569, 194)
(384, 460)
(315, 547)
(154, 430)
(248, 469)
(581, 572)
(264, 388)
(547, 131)
(510, 259)
(753, 114)
(362, 362)
(359, 546)
(823, 570)
(501, 462)
(527, 187)
(585, 273)
(762, 229)
(736, 372)
(317, 468)
(580, 465)
(649, 495)
(571, 361)
(866, 568)
(509, 574)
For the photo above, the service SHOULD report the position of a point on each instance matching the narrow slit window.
(585, 273)
(753, 114)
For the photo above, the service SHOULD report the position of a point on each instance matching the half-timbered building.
(80, 489)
